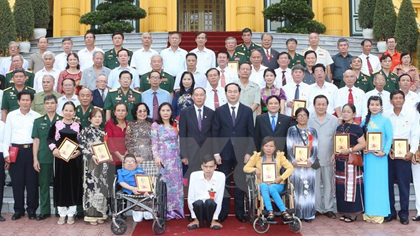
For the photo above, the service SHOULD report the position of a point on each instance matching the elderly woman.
(270, 89)
(72, 71)
(407, 68)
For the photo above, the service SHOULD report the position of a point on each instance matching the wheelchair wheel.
(296, 225)
(260, 226)
(120, 228)
(251, 201)
(162, 200)
(159, 229)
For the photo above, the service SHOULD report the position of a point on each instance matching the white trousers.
(139, 215)
(67, 211)
(416, 181)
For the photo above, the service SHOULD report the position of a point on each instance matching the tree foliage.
(113, 16)
(24, 18)
(384, 20)
(366, 11)
(7, 26)
(406, 28)
(42, 12)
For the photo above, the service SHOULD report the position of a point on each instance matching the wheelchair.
(155, 203)
(256, 212)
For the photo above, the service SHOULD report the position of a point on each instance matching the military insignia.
(118, 98)
(131, 99)
(364, 79)
(110, 55)
(393, 79)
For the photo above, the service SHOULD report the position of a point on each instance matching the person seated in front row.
(126, 178)
(268, 155)
(205, 194)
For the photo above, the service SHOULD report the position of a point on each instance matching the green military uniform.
(29, 81)
(167, 82)
(38, 103)
(10, 100)
(116, 95)
(238, 56)
(363, 82)
(83, 119)
(241, 48)
(391, 80)
(40, 130)
(297, 60)
(111, 60)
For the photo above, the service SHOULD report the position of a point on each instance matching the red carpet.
(231, 227)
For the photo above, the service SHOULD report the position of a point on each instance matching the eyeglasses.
(13, 48)
(302, 116)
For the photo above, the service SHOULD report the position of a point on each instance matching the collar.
(234, 105)
(270, 116)
(263, 159)
(213, 177)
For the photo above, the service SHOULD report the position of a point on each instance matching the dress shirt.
(309, 78)
(210, 97)
(405, 126)
(290, 89)
(236, 109)
(173, 62)
(340, 65)
(18, 129)
(329, 90)
(114, 76)
(60, 62)
(276, 117)
(2, 136)
(199, 188)
(231, 75)
(374, 61)
(141, 60)
(385, 95)
(199, 78)
(411, 100)
(86, 57)
(359, 98)
(63, 100)
(89, 77)
(206, 59)
(35, 62)
(196, 111)
(5, 65)
(323, 56)
(279, 75)
(105, 91)
(258, 76)
(40, 74)
(162, 96)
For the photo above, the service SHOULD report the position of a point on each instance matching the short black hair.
(269, 70)
(247, 30)
(50, 97)
(223, 52)
(191, 54)
(319, 97)
(364, 41)
(272, 97)
(384, 57)
(320, 65)
(68, 103)
(94, 36)
(117, 33)
(229, 84)
(244, 63)
(121, 50)
(395, 92)
(302, 109)
(25, 92)
(125, 72)
(136, 106)
(291, 40)
(201, 32)
(405, 54)
(20, 70)
(218, 72)
(283, 53)
(65, 79)
(309, 52)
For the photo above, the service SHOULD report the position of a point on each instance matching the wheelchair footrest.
(272, 222)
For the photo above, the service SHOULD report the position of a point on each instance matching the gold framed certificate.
(144, 183)
(268, 172)
(301, 155)
(234, 65)
(341, 142)
(297, 104)
(101, 152)
(374, 141)
(67, 148)
(400, 147)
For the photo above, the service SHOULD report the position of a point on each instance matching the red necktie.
(268, 55)
(222, 77)
(369, 65)
(350, 100)
(216, 99)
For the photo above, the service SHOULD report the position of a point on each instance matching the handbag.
(355, 159)
(316, 165)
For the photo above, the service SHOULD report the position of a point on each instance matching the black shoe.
(17, 216)
(43, 216)
(390, 218)
(241, 218)
(222, 218)
(2, 218)
(32, 216)
(404, 220)
(330, 215)
(416, 218)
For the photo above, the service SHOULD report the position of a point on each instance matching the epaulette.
(392, 73)
(38, 117)
(30, 87)
(239, 45)
(113, 90)
(257, 44)
(364, 74)
(241, 53)
(7, 89)
(29, 71)
(9, 72)
(136, 91)
(100, 108)
(374, 72)
(128, 49)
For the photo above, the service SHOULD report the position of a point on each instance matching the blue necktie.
(273, 123)
(233, 116)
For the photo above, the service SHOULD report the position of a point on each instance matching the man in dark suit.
(195, 131)
(272, 124)
(100, 93)
(269, 54)
(233, 132)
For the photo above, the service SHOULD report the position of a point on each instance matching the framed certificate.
(67, 148)
(301, 155)
(374, 141)
(101, 151)
(234, 65)
(400, 147)
(341, 142)
(268, 172)
(297, 104)
(144, 183)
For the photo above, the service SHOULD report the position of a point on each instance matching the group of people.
(183, 115)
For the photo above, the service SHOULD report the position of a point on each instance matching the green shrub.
(366, 10)
(42, 12)
(384, 20)
(7, 27)
(406, 29)
(24, 18)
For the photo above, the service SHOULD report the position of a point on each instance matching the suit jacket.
(263, 129)
(233, 140)
(273, 58)
(97, 99)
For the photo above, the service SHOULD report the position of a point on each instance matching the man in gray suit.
(325, 125)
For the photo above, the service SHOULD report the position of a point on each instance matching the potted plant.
(384, 21)
(42, 11)
(24, 18)
(406, 28)
(7, 28)
(366, 10)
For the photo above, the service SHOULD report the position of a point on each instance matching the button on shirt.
(206, 59)
(279, 76)
(323, 56)
(40, 74)
(162, 96)
(411, 99)
(258, 76)
(374, 61)
(290, 89)
(5, 65)
(359, 99)
(385, 95)
(114, 76)
(18, 129)
(60, 62)
(329, 90)
(340, 65)
(210, 97)
(405, 126)
(86, 57)
(199, 79)
(173, 62)
(89, 77)
(141, 60)
(63, 100)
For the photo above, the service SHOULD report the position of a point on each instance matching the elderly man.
(83, 110)
(6, 64)
(90, 74)
(206, 58)
(297, 89)
(295, 58)
(155, 96)
(167, 81)
(341, 61)
(48, 84)
(69, 88)
(85, 54)
(174, 56)
(61, 59)
(215, 94)
(257, 69)
(370, 63)
(269, 54)
(111, 60)
(227, 75)
(200, 79)
(283, 72)
(99, 94)
(379, 90)
(230, 45)
(36, 62)
(323, 56)
(141, 58)
(123, 58)
(247, 46)
(48, 58)
(17, 61)
(250, 91)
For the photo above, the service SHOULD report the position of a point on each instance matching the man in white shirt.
(6, 63)
(215, 94)
(206, 58)
(69, 88)
(18, 134)
(141, 58)
(48, 57)
(227, 75)
(257, 71)
(86, 54)
(370, 63)
(174, 56)
(205, 195)
(199, 78)
(411, 98)
(297, 89)
(284, 73)
(114, 75)
(61, 59)
(2, 165)
(323, 56)
(379, 82)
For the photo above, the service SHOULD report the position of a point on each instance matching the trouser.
(2, 179)
(274, 191)
(324, 200)
(204, 211)
(45, 174)
(24, 176)
(400, 171)
(67, 211)
(416, 181)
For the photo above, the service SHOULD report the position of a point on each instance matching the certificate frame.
(341, 142)
(296, 104)
(374, 141)
(234, 65)
(400, 147)
(67, 148)
(301, 152)
(144, 183)
(268, 172)
(101, 152)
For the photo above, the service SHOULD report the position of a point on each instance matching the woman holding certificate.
(379, 134)
(271, 182)
(302, 148)
(63, 141)
(348, 177)
(95, 170)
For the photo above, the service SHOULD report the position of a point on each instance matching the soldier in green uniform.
(391, 79)
(111, 60)
(43, 157)
(230, 44)
(48, 82)
(363, 81)
(295, 58)
(167, 79)
(247, 46)
(85, 107)
(9, 102)
(17, 61)
(123, 94)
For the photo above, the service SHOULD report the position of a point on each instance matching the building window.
(201, 15)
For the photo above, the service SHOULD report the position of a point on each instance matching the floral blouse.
(267, 92)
